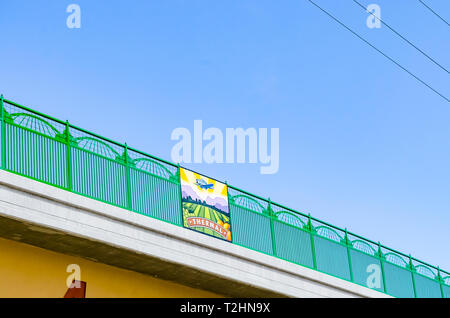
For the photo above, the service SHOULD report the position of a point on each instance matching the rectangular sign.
(205, 205)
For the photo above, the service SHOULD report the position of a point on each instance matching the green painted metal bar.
(3, 146)
(439, 278)
(347, 245)
(311, 235)
(411, 267)
(180, 197)
(272, 232)
(381, 256)
(69, 157)
(127, 176)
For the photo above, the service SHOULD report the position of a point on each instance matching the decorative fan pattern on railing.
(328, 233)
(363, 247)
(423, 270)
(97, 146)
(248, 203)
(153, 167)
(290, 218)
(395, 259)
(34, 123)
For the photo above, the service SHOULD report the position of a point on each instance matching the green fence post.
(180, 194)
(127, 175)
(411, 267)
(69, 157)
(3, 141)
(229, 208)
(313, 248)
(272, 234)
(439, 277)
(381, 256)
(348, 244)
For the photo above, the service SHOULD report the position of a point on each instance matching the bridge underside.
(65, 243)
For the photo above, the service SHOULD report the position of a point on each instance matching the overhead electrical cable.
(379, 51)
(401, 36)
(435, 13)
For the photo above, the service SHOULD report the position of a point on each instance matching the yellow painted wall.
(28, 271)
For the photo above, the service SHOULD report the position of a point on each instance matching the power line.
(401, 36)
(379, 51)
(434, 12)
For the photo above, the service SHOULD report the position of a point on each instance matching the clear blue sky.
(362, 144)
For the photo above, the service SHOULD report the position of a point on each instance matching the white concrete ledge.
(51, 208)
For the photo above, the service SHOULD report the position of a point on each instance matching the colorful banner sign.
(205, 205)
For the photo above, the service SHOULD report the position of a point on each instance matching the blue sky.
(363, 145)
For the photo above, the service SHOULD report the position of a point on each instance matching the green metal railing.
(60, 154)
